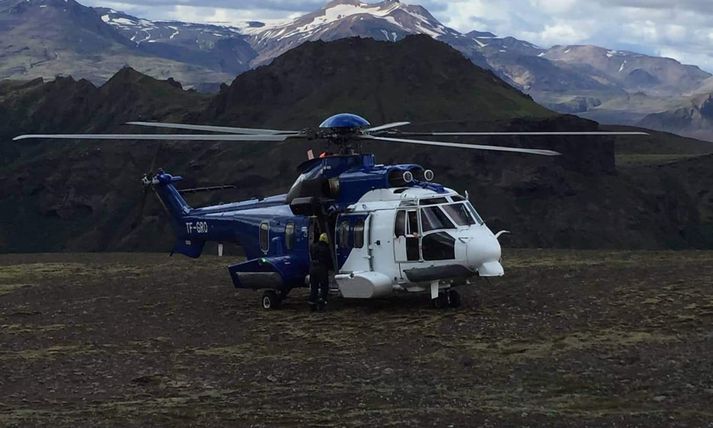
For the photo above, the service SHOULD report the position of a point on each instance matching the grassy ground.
(566, 338)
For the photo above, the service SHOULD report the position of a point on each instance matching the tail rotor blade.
(147, 186)
(152, 169)
(142, 204)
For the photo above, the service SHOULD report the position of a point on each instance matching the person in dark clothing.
(320, 265)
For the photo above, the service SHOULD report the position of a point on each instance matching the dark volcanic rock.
(86, 195)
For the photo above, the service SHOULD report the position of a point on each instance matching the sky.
(680, 29)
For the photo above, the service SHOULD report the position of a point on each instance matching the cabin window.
(460, 214)
(433, 218)
(439, 246)
(400, 228)
(290, 236)
(359, 234)
(343, 233)
(265, 237)
(412, 223)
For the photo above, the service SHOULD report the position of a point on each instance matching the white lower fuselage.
(414, 240)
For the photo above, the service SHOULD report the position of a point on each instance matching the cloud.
(680, 28)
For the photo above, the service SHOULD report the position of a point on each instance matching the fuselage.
(390, 227)
(410, 237)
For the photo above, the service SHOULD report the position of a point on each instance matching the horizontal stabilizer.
(206, 189)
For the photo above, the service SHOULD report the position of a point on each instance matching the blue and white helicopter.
(392, 229)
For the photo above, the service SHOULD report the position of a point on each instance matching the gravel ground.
(565, 339)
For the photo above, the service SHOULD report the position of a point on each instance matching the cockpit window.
(433, 218)
(432, 201)
(458, 198)
(460, 214)
(475, 213)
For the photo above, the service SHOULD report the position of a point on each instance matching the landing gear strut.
(447, 299)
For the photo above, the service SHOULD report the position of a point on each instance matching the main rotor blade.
(159, 137)
(465, 146)
(208, 128)
(388, 126)
(516, 134)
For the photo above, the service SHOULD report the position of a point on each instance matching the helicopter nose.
(483, 253)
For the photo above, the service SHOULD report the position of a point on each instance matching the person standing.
(320, 265)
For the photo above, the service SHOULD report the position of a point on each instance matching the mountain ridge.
(596, 83)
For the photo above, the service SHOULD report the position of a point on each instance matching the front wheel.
(441, 301)
(270, 300)
(454, 300)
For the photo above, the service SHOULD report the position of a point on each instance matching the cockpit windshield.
(475, 214)
(433, 218)
(460, 214)
(439, 213)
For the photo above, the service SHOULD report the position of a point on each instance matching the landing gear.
(272, 299)
(447, 299)
(454, 299)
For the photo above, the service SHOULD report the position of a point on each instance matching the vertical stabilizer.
(170, 197)
(178, 210)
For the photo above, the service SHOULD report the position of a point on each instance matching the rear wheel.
(283, 293)
(270, 300)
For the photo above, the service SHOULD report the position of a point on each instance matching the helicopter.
(392, 229)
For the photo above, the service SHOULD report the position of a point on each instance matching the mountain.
(630, 71)
(85, 196)
(46, 38)
(214, 47)
(423, 74)
(695, 119)
(632, 85)
(389, 20)
(597, 82)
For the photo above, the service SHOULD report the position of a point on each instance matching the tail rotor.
(147, 181)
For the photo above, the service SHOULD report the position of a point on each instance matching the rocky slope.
(85, 195)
